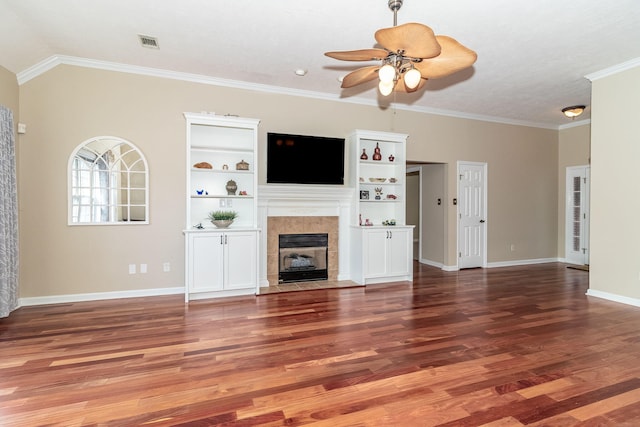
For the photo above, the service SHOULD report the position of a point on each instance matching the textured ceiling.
(532, 56)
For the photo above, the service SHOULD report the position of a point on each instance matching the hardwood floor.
(497, 347)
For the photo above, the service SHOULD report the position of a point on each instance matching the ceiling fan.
(410, 55)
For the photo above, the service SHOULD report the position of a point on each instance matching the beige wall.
(522, 180)
(615, 151)
(412, 216)
(574, 150)
(433, 215)
(68, 105)
(9, 91)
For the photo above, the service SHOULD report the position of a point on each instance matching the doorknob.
(482, 221)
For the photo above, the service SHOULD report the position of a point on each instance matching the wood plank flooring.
(506, 346)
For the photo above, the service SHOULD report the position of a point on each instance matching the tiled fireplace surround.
(288, 209)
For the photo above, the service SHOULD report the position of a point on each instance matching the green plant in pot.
(222, 219)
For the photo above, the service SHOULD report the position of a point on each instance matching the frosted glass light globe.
(412, 78)
(387, 73)
(385, 87)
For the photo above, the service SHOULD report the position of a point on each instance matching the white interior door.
(472, 214)
(577, 215)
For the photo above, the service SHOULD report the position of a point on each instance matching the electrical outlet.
(132, 269)
(229, 203)
(166, 267)
(143, 268)
(223, 203)
(512, 247)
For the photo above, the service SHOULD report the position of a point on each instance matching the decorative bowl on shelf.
(377, 179)
(203, 165)
(222, 219)
(222, 223)
(392, 180)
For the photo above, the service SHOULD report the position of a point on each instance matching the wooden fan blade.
(359, 55)
(454, 57)
(360, 75)
(415, 40)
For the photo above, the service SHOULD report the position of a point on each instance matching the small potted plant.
(222, 219)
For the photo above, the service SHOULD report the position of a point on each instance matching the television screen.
(300, 159)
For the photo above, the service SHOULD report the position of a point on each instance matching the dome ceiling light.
(573, 111)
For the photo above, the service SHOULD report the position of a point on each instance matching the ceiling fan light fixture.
(410, 52)
(573, 111)
(387, 73)
(385, 88)
(412, 78)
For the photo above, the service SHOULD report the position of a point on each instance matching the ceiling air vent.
(148, 41)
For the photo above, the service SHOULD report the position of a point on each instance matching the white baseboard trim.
(521, 262)
(492, 264)
(438, 265)
(58, 299)
(613, 297)
(431, 263)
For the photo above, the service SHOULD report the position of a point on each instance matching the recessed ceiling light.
(300, 72)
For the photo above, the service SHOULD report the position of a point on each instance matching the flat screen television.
(301, 159)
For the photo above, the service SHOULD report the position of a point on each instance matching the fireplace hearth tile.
(308, 286)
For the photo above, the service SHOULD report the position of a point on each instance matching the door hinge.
(461, 176)
(459, 254)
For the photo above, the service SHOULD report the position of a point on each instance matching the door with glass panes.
(577, 215)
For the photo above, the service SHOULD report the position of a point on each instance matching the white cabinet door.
(399, 252)
(375, 253)
(206, 252)
(387, 254)
(241, 260)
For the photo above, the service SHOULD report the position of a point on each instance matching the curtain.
(8, 215)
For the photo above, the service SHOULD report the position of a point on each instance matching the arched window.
(108, 183)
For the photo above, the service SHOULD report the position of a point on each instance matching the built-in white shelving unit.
(381, 240)
(221, 262)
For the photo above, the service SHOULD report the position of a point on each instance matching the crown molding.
(574, 124)
(633, 63)
(53, 61)
(37, 69)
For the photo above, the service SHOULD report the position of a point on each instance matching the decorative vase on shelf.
(391, 158)
(231, 187)
(364, 156)
(376, 153)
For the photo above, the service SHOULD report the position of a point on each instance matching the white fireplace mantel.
(306, 200)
